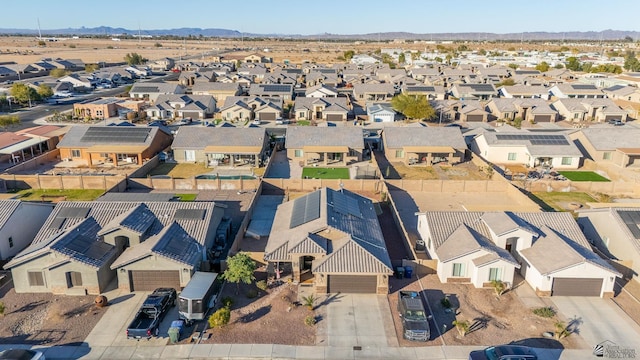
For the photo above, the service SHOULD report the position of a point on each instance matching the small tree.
(310, 320)
(462, 326)
(240, 268)
(309, 301)
(562, 331)
(262, 285)
(8, 120)
(44, 91)
(220, 318)
(413, 107)
(134, 59)
(91, 67)
(543, 67)
(158, 45)
(499, 286)
(2, 308)
(58, 73)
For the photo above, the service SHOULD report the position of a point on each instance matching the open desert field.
(25, 50)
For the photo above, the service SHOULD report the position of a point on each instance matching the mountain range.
(607, 35)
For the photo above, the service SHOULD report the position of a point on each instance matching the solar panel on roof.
(190, 214)
(632, 220)
(276, 88)
(536, 139)
(421, 88)
(97, 250)
(146, 89)
(57, 223)
(346, 205)
(305, 209)
(481, 87)
(73, 212)
(584, 87)
(116, 135)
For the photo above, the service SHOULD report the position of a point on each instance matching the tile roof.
(398, 137)
(80, 243)
(308, 103)
(464, 241)
(355, 243)
(75, 137)
(299, 136)
(197, 137)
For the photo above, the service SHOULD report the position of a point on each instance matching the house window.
(606, 155)
(74, 278)
(301, 115)
(566, 161)
(458, 269)
(495, 274)
(399, 153)
(10, 242)
(512, 156)
(576, 115)
(36, 278)
(75, 153)
(98, 112)
(298, 153)
(229, 115)
(104, 155)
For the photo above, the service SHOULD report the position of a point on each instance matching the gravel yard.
(45, 319)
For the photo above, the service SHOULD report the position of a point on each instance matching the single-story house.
(527, 148)
(327, 109)
(83, 245)
(548, 249)
(373, 92)
(333, 238)
(616, 146)
(576, 90)
(92, 145)
(251, 107)
(284, 91)
(152, 90)
(80, 82)
(524, 92)
(424, 145)
(530, 110)
(616, 233)
(219, 90)
(221, 146)
(28, 143)
(173, 106)
(19, 223)
(430, 92)
(599, 110)
(623, 92)
(324, 146)
(381, 112)
(474, 91)
(320, 90)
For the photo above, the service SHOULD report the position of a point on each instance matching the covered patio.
(325, 155)
(229, 156)
(430, 155)
(24, 150)
(116, 155)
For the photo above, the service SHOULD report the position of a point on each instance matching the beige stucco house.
(619, 146)
(424, 145)
(324, 146)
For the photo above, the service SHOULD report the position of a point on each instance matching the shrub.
(262, 285)
(462, 326)
(227, 301)
(2, 308)
(252, 293)
(220, 318)
(499, 287)
(545, 312)
(72, 46)
(157, 45)
(562, 331)
(310, 320)
(309, 301)
(446, 303)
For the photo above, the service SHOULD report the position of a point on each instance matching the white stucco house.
(381, 113)
(548, 249)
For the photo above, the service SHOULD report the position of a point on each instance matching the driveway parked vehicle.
(616, 122)
(146, 323)
(504, 352)
(21, 354)
(415, 325)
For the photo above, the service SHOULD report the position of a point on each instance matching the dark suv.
(616, 122)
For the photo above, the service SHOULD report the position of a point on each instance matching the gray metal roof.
(613, 138)
(465, 240)
(308, 103)
(198, 137)
(85, 136)
(143, 197)
(7, 207)
(356, 246)
(398, 137)
(81, 244)
(300, 136)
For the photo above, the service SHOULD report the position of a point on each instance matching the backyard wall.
(34, 163)
(64, 182)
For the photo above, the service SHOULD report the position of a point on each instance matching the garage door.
(267, 116)
(542, 118)
(334, 117)
(149, 280)
(612, 117)
(352, 284)
(191, 114)
(576, 287)
(475, 118)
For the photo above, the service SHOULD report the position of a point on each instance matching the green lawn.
(559, 201)
(325, 173)
(187, 197)
(49, 195)
(583, 176)
(303, 122)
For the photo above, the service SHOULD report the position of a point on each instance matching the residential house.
(83, 246)
(373, 92)
(324, 146)
(430, 92)
(218, 146)
(79, 82)
(548, 248)
(470, 111)
(256, 58)
(28, 143)
(320, 90)
(238, 108)
(280, 78)
(163, 64)
(182, 106)
(530, 110)
(150, 91)
(424, 145)
(598, 110)
(219, 90)
(576, 91)
(19, 223)
(527, 148)
(617, 146)
(616, 233)
(421, 74)
(621, 92)
(284, 91)
(327, 109)
(381, 112)
(92, 145)
(328, 77)
(332, 237)
(523, 92)
(474, 91)
(256, 72)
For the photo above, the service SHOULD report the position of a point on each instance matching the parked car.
(415, 324)
(146, 323)
(256, 122)
(281, 121)
(504, 352)
(185, 121)
(21, 354)
(157, 123)
(616, 122)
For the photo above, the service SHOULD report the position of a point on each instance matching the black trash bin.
(399, 272)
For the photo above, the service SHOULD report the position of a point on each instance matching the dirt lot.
(45, 319)
(494, 320)
(271, 318)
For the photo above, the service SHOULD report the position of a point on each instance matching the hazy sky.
(329, 16)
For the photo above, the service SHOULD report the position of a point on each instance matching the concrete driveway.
(599, 320)
(357, 320)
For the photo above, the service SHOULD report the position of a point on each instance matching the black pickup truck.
(147, 321)
(415, 323)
